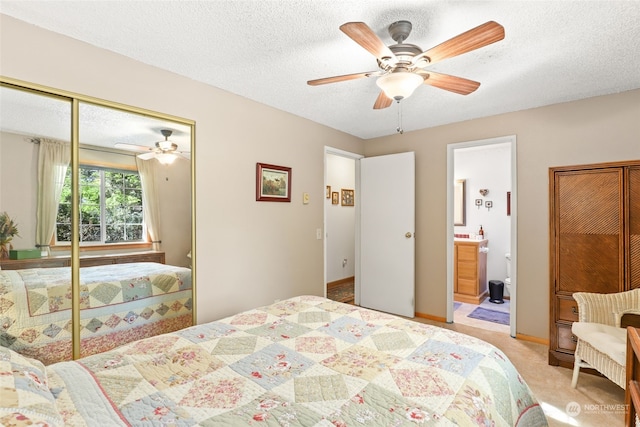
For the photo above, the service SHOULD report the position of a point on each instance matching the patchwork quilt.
(306, 361)
(119, 303)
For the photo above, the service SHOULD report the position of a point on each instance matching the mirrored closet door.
(35, 153)
(102, 195)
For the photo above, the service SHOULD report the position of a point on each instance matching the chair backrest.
(600, 308)
(632, 392)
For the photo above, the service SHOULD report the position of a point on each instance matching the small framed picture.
(335, 198)
(328, 195)
(347, 197)
(273, 183)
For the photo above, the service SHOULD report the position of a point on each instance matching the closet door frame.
(75, 100)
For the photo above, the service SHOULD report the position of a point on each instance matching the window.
(110, 207)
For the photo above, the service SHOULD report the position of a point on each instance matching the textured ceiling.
(555, 51)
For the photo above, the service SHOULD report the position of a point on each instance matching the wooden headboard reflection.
(632, 392)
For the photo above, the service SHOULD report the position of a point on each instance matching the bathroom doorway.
(488, 168)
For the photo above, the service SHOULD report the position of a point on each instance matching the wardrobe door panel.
(634, 227)
(590, 235)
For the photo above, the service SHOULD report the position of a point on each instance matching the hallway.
(341, 290)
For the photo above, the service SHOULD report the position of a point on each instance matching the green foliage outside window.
(110, 207)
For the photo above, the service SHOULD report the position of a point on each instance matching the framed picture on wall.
(273, 183)
(335, 198)
(347, 197)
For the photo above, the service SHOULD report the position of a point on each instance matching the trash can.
(496, 291)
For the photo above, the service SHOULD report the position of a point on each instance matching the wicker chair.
(602, 343)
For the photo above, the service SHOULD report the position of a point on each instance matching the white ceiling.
(553, 51)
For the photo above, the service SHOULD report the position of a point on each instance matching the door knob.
(408, 235)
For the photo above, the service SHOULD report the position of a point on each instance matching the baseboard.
(530, 338)
(431, 317)
(337, 283)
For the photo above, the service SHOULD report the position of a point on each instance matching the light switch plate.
(305, 198)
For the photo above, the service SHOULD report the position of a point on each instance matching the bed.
(119, 303)
(305, 361)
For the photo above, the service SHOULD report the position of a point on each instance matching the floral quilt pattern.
(306, 361)
(119, 303)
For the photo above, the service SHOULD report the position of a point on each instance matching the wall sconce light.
(484, 191)
(488, 204)
(478, 203)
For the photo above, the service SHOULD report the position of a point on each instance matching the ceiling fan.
(402, 65)
(164, 151)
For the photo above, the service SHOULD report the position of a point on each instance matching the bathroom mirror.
(459, 208)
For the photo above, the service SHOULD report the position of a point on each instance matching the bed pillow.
(25, 398)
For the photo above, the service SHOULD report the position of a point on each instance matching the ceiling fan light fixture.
(166, 158)
(400, 84)
(165, 145)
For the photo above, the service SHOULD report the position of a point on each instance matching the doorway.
(498, 207)
(382, 204)
(341, 249)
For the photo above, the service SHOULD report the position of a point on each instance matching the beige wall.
(173, 185)
(18, 186)
(248, 253)
(594, 130)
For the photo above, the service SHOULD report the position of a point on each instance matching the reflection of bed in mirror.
(119, 303)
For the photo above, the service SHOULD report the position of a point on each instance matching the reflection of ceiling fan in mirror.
(164, 151)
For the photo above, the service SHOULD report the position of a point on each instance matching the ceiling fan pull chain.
(399, 128)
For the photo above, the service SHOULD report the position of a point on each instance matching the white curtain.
(147, 171)
(53, 161)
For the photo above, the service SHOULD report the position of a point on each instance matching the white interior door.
(387, 227)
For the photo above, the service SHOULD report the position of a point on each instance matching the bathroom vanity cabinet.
(594, 242)
(470, 270)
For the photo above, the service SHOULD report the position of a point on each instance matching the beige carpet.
(598, 401)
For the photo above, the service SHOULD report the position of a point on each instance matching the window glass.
(110, 207)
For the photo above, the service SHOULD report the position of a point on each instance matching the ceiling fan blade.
(336, 79)
(450, 83)
(383, 101)
(147, 156)
(480, 36)
(360, 33)
(131, 147)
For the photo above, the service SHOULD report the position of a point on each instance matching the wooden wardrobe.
(594, 241)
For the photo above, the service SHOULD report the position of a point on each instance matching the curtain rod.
(36, 140)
